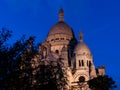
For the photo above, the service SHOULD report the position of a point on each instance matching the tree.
(50, 76)
(5, 58)
(23, 70)
(4, 36)
(10, 59)
(16, 69)
(101, 83)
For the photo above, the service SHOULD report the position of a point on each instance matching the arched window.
(79, 63)
(67, 39)
(87, 63)
(52, 39)
(62, 38)
(81, 79)
(82, 63)
(57, 39)
(57, 51)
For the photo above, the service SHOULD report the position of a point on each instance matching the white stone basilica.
(76, 56)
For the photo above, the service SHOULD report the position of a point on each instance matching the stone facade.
(76, 56)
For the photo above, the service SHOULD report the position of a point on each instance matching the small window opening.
(57, 51)
(67, 39)
(81, 79)
(52, 39)
(57, 38)
(87, 63)
(82, 63)
(79, 63)
(62, 38)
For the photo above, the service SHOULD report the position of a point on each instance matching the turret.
(61, 15)
(83, 61)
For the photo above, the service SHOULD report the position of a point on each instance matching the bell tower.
(83, 61)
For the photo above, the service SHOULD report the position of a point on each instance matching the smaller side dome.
(81, 47)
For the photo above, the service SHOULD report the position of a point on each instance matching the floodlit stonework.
(76, 55)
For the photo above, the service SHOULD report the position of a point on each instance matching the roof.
(81, 47)
(61, 28)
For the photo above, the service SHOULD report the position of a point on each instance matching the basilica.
(76, 55)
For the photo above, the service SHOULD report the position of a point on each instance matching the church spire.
(61, 15)
(81, 36)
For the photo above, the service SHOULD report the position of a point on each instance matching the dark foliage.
(10, 59)
(50, 76)
(102, 83)
(16, 71)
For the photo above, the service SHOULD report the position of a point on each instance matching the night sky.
(99, 20)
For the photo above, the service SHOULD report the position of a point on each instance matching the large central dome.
(61, 28)
(61, 35)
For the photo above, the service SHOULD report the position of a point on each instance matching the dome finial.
(81, 36)
(61, 15)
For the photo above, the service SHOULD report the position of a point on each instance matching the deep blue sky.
(98, 19)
